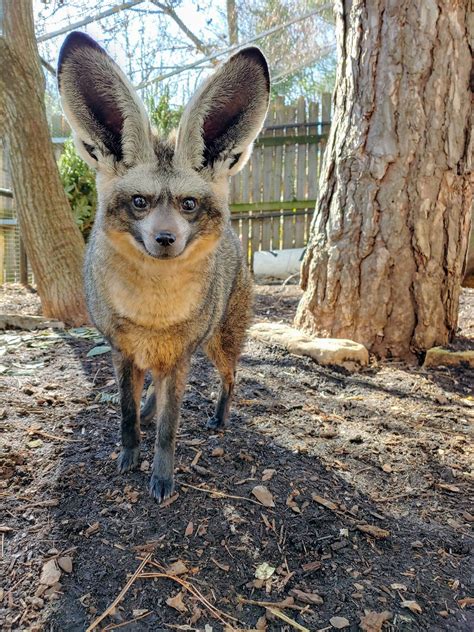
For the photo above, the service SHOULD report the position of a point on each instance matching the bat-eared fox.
(164, 271)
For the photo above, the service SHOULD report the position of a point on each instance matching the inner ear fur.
(109, 121)
(226, 114)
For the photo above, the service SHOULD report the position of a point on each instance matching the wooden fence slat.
(268, 178)
(313, 165)
(289, 179)
(276, 227)
(301, 173)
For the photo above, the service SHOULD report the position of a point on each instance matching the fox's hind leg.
(225, 346)
(148, 410)
(130, 382)
(225, 360)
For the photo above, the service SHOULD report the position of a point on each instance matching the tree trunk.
(52, 240)
(232, 22)
(389, 236)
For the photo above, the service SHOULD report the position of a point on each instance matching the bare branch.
(48, 66)
(88, 20)
(230, 49)
(200, 45)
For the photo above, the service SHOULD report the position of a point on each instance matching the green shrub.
(164, 116)
(79, 183)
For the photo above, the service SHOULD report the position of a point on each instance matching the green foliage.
(163, 115)
(79, 183)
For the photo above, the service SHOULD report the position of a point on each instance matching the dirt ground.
(364, 522)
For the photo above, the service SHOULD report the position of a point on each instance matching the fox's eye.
(139, 202)
(189, 204)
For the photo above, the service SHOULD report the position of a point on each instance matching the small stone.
(145, 466)
(326, 351)
(217, 452)
(339, 622)
(37, 602)
(437, 356)
(65, 563)
(50, 573)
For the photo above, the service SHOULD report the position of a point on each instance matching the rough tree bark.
(53, 242)
(388, 240)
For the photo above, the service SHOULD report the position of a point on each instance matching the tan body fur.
(187, 302)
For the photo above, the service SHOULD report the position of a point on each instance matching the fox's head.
(163, 197)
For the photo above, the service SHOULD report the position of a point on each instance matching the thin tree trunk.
(232, 22)
(389, 236)
(52, 240)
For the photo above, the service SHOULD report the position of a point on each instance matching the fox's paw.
(128, 459)
(161, 488)
(215, 423)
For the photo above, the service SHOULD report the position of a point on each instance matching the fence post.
(23, 264)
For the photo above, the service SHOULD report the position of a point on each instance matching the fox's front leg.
(130, 382)
(169, 392)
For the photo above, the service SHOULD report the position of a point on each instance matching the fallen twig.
(221, 494)
(281, 615)
(114, 626)
(47, 435)
(270, 604)
(188, 586)
(121, 594)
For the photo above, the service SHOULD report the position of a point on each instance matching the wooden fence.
(272, 198)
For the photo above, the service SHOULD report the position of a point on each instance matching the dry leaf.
(339, 622)
(324, 502)
(169, 501)
(311, 566)
(197, 614)
(35, 443)
(261, 623)
(65, 563)
(264, 571)
(50, 573)
(373, 621)
(263, 495)
(398, 587)
(176, 602)
(413, 606)
(305, 597)
(177, 568)
(189, 529)
(466, 602)
(374, 531)
(223, 567)
(267, 474)
(92, 529)
(448, 487)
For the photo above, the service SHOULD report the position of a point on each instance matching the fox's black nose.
(165, 238)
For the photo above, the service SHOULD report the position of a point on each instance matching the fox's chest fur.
(154, 302)
(151, 310)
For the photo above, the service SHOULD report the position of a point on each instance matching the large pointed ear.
(225, 115)
(108, 119)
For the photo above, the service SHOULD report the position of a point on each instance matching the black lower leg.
(130, 383)
(223, 405)
(169, 391)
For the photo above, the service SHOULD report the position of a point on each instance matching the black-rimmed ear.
(225, 115)
(108, 119)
